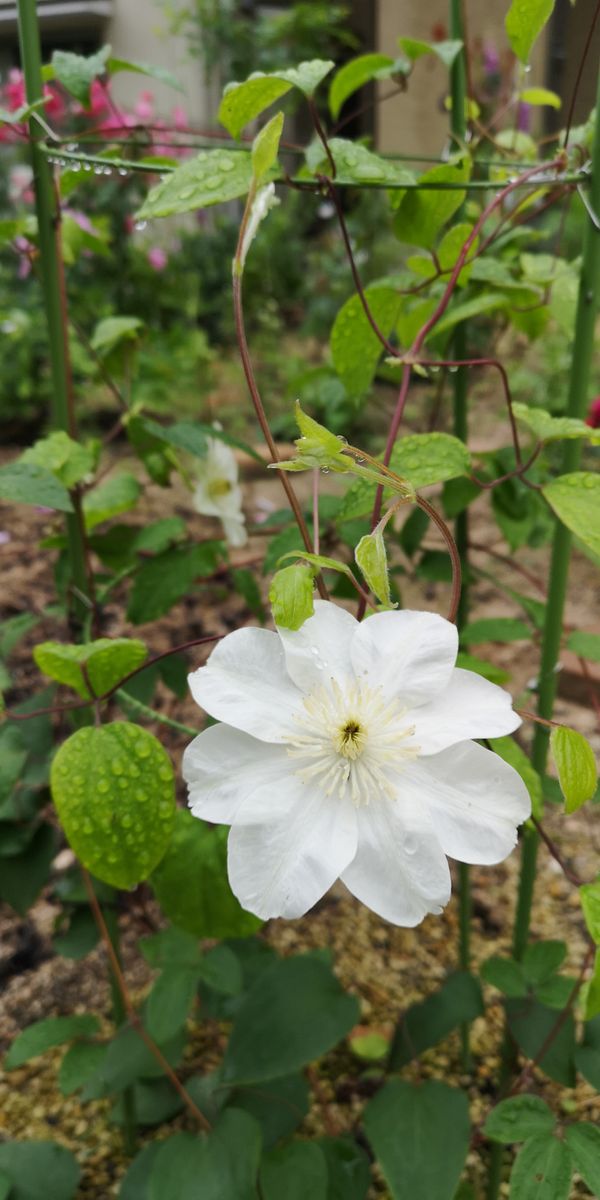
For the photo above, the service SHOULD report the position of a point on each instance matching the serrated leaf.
(77, 73)
(39, 1170)
(583, 1141)
(355, 74)
(62, 456)
(371, 559)
(265, 146)
(43, 1035)
(106, 662)
(116, 495)
(576, 766)
(524, 23)
(291, 596)
(549, 429)
(518, 1118)
(355, 348)
(212, 177)
(542, 1170)
(575, 499)
(191, 883)
(400, 1123)
(589, 895)
(113, 787)
(242, 102)
(166, 578)
(26, 483)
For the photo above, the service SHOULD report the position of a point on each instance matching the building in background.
(414, 122)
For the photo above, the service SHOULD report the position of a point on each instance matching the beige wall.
(138, 31)
(415, 122)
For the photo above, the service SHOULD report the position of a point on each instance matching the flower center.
(218, 487)
(351, 741)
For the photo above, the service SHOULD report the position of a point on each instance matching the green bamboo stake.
(458, 91)
(48, 218)
(583, 344)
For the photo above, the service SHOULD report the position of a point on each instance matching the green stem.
(587, 305)
(48, 220)
(120, 1017)
(130, 703)
(458, 91)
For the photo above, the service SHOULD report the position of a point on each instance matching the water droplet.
(527, 68)
(142, 749)
(164, 773)
(75, 824)
(117, 766)
(141, 796)
(164, 810)
(342, 439)
(123, 171)
(410, 844)
(139, 225)
(324, 470)
(186, 193)
(98, 170)
(103, 786)
(126, 820)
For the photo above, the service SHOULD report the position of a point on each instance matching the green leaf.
(294, 1013)
(170, 1000)
(348, 1168)
(355, 348)
(279, 1106)
(26, 483)
(291, 596)
(79, 937)
(265, 147)
(583, 1141)
(296, 1171)
(576, 766)
(400, 1123)
(587, 1055)
(524, 23)
(466, 309)
(589, 895)
(446, 51)
(575, 499)
(540, 95)
(212, 177)
(355, 164)
(542, 1170)
(495, 629)
(112, 331)
(242, 102)
(428, 1021)
(77, 73)
(355, 74)
(52, 1031)
(517, 1119)
(505, 974)
(191, 883)
(549, 429)
(66, 459)
(183, 435)
(542, 959)
(511, 752)
(369, 1047)
(371, 558)
(225, 1161)
(115, 495)
(165, 579)
(128, 1059)
(79, 1065)
(23, 876)
(422, 458)
(591, 991)
(115, 65)
(39, 1170)
(113, 788)
(530, 1024)
(585, 644)
(106, 662)
(137, 1180)
(423, 213)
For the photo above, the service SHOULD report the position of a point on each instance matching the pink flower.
(180, 119)
(14, 91)
(144, 108)
(98, 98)
(158, 258)
(54, 104)
(593, 417)
(25, 249)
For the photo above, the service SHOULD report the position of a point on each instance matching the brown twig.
(569, 874)
(132, 1014)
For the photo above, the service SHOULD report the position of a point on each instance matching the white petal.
(235, 531)
(245, 684)
(400, 870)
(320, 649)
(476, 801)
(410, 655)
(469, 707)
(203, 502)
(221, 462)
(281, 868)
(225, 769)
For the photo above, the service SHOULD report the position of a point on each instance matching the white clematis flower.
(345, 751)
(218, 493)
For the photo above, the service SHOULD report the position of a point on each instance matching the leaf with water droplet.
(524, 23)
(422, 458)
(88, 760)
(575, 499)
(106, 662)
(355, 347)
(242, 102)
(211, 178)
(356, 164)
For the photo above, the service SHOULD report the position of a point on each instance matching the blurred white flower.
(218, 493)
(345, 751)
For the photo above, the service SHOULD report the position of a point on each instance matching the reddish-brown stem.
(517, 473)
(71, 704)
(133, 1016)
(498, 366)
(567, 871)
(322, 136)
(353, 268)
(453, 552)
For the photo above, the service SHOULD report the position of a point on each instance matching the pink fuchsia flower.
(144, 106)
(26, 250)
(14, 90)
(593, 417)
(99, 101)
(54, 104)
(346, 751)
(158, 258)
(180, 119)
